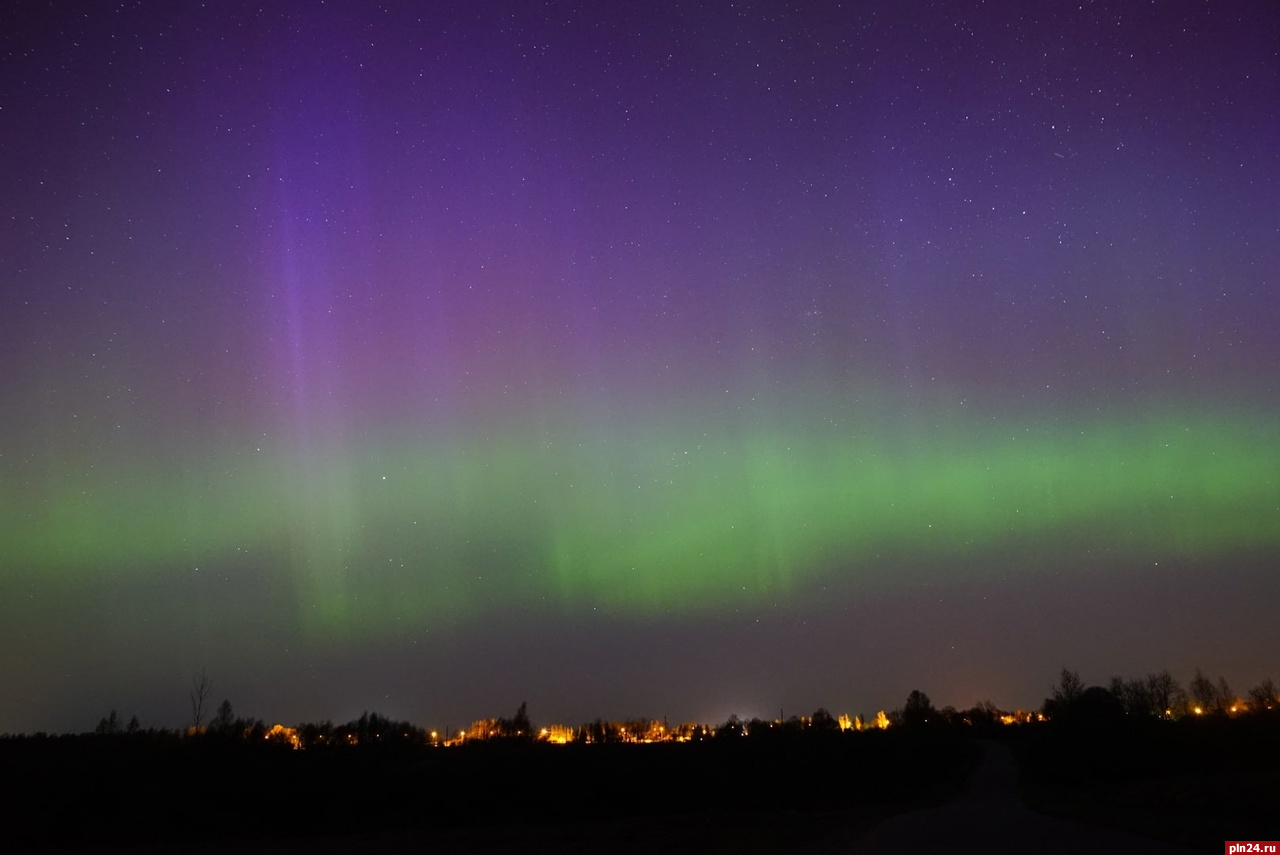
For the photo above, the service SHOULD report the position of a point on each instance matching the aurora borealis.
(679, 360)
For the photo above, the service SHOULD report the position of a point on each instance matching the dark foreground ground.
(1194, 782)
(1168, 789)
(141, 793)
(990, 817)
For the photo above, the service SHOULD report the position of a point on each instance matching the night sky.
(672, 359)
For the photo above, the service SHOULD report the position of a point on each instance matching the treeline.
(371, 728)
(1157, 695)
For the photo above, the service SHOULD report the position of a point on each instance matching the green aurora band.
(411, 532)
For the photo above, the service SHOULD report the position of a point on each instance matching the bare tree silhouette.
(1166, 693)
(1264, 696)
(200, 689)
(1204, 693)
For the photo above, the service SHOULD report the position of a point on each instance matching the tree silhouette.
(372, 728)
(316, 734)
(224, 719)
(518, 726)
(983, 715)
(1074, 705)
(918, 710)
(521, 721)
(734, 726)
(601, 731)
(108, 725)
(1204, 693)
(1264, 696)
(1065, 694)
(1226, 697)
(1134, 696)
(200, 690)
(824, 722)
(1165, 692)
(1070, 687)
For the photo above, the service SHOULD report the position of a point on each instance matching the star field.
(686, 359)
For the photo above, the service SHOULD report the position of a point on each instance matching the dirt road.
(988, 818)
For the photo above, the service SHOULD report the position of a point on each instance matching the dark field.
(1195, 782)
(148, 792)
(1192, 783)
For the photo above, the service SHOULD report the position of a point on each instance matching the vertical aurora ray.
(320, 201)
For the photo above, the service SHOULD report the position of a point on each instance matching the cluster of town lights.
(644, 731)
